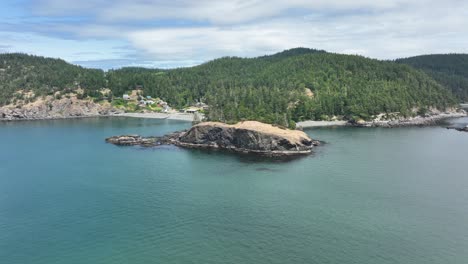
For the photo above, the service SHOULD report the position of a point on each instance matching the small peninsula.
(244, 137)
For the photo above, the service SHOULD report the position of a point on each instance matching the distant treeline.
(271, 89)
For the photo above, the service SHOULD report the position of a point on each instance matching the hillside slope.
(43, 76)
(451, 70)
(293, 85)
(273, 88)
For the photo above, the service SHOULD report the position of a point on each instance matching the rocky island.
(244, 137)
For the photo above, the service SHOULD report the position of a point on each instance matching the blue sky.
(177, 33)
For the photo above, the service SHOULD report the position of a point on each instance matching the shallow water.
(370, 195)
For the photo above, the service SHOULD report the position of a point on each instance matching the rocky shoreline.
(67, 108)
(428, 120)
(169, 116)
(244, 137)
(49, 108)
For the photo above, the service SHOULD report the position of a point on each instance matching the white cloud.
(387, 35)
(183, 31)
(66, 49)
(215, 11)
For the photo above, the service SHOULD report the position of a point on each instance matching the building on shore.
(192, 110)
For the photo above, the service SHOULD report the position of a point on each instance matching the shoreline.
(312, 123)
(413, 121)
(170, 116)
(52, 118)
(174, 116)
(402, 122)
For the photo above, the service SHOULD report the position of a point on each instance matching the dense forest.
(44, 76)
(272, 88)
(290, 86)
(450, 70)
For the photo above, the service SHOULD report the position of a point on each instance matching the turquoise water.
(367, 196)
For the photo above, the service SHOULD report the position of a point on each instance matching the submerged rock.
(461, 129)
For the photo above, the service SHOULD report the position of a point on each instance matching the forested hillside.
(293, 85)
(451, 70)
(272, 88)
(43, 76)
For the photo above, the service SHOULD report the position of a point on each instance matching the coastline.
(176, 116)
(415, 121)
(170, 116)
(401, 122)
(312, 123)
(53, 118)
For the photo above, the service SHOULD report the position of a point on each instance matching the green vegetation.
(271, 89)
(451, 70)
(44, 76)
(154, 108)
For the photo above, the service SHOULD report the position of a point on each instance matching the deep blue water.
(367, 196)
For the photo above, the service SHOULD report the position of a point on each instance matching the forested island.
(284, 88)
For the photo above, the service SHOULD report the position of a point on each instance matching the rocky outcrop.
(132, 140)
(249, 137)
(245, 137)
(49, 108)
(137, 140)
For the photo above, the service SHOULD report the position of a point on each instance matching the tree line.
(284, 88)
(450, 70)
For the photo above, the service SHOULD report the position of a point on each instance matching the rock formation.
(245, 137)
(248, 136)
(50, 108)
(131, 140)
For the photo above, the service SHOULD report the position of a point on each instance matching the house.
(126, 97)
(146, 102)
(191, 110)
(201, 105)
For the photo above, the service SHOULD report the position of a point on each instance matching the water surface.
(370, 195)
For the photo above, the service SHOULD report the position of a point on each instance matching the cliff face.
(49, 108)
(249, 136)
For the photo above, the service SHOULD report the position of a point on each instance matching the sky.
(180, 33)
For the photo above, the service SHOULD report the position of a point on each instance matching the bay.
(369, 195)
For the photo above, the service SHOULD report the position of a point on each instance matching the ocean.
(368, 195)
